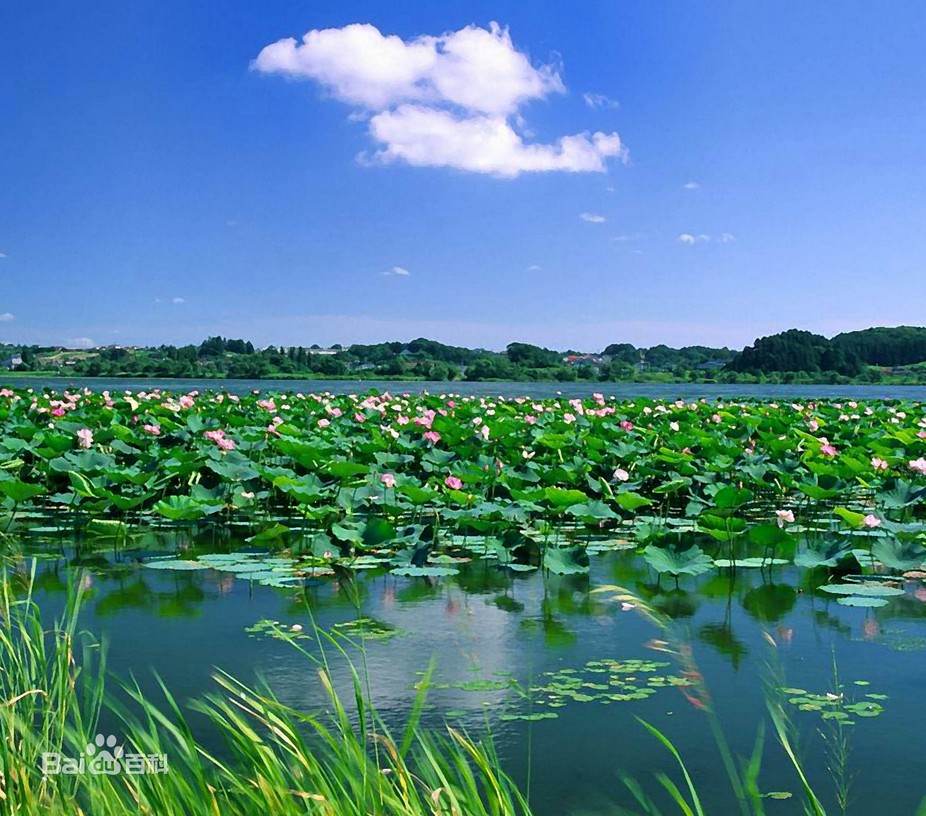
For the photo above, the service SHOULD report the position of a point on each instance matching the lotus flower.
(85, 437)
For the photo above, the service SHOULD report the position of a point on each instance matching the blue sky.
(158, 185)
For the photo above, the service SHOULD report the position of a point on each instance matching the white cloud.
(398, 270)
(473, 68)
(691, 185)
(7, 317)
(178, 300)
(592, 218)
(598, 100)
(447, 101)
(427, 137)
(701, 238)
(534, 268)
(81, 342)
(2, 255)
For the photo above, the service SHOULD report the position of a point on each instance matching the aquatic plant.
(355, 480)
(54, 696)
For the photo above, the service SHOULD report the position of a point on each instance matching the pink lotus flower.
(872, 521)
(186, 401)
(154, 430)
(324, 423)
(433, 437)
(220, 439)
(626, 425)
(828, 450)
(621, 475)
(919, 465)
(453, 483)
(530, 419)
(785, 517)
(388, 480)
(878, 464)
(85, 437)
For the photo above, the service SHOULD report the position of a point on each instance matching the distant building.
(584, 359)
(12, 362)
(325, 352)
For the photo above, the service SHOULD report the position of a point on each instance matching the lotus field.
(414, 483)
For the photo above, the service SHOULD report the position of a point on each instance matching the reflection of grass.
(743, 774)
(347, 765)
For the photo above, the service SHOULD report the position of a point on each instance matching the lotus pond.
(568, 566)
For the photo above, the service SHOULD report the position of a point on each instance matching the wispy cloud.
(691, 185)
(534, 268)
(452, 100)
(592, 218)
(688, 238)
(2, 255)
(702, 238)
(178, 300)
(7, 317)
(599, 100)
(401, 271)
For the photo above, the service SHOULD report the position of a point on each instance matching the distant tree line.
(791, 356)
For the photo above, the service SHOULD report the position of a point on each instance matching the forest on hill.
(869, 353)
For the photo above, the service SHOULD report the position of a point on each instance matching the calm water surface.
(687, 391)
(487, 625)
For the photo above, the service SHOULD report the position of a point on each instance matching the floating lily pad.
(175, 564)
(749, 563)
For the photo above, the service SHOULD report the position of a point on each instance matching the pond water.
(671, 391)
(484, 628)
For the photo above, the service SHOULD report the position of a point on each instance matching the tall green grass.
(274, 759)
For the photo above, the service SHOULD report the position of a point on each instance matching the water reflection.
(487, 628)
